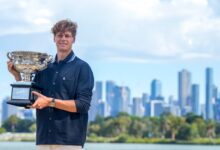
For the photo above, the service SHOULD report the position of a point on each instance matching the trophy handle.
(9, 55)
(49, 58)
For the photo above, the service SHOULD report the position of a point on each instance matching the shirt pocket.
(66, 84)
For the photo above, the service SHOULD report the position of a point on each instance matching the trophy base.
(21, 94)
(20, 103)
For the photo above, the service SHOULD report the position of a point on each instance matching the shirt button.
(54, 83)
(49, 131)
(50, 118)
(57, 72)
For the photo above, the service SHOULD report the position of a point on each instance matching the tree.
(211, 129)
(11, 123)
(201, 126)
(174, 125)
(191, 117)
(2, 130)
(24, 125)
(154, 127)
(94, 129)
(183, 132)
(164, 124)
(32, 128)
(217, 129)
(137, 128)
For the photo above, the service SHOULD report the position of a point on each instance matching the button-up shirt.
(69, 79)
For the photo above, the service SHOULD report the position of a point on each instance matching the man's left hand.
(41, 101)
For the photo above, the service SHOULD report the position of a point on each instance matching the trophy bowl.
(27, 63)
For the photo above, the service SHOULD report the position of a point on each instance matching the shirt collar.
(68, 58)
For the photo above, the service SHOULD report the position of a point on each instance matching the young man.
(63, 104)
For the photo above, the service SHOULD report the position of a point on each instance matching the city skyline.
(148, 87)
(202, 94)
(118, 99)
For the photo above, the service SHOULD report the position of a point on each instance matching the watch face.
(52, 103)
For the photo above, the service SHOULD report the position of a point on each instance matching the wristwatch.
(52, 103)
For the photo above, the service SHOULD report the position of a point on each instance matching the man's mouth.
(62, 44)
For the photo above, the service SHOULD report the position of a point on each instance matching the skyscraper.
(110, 85)
(125, 99)
(184, 90)
(121, 100)
(195, 99)
(93, 111)
(215, 92)
(8, 110)
(209, 94)
(156, 108)
(98, 89)
(145, 98)
(138, 109)
(156, 90)
(102, 108)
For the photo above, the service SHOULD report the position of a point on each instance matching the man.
(63, 104)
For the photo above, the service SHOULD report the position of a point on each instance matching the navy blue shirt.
(70, 79)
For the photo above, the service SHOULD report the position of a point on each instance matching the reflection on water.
(107, 146)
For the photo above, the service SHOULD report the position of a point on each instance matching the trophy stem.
(27, 77)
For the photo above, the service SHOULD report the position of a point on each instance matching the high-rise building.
(96, 97)
(156, 108)
(145, 98)
(110, 85)
(147, 109)
(209, 94)
(125, 99)
(215, 92)
(156, 88)
(121, 100)
(93, 107)
(98, 89)
(203, 111)
(26, 114)
(195, 99)
(184, 90)
(173, 109)
(217, 110)
(8, 110)
(102, 108)
(138, 109)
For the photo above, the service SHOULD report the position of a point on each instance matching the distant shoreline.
(31, 137)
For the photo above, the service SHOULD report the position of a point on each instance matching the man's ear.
(74, 38)
(54, 38)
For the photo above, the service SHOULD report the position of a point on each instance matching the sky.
(130, 42)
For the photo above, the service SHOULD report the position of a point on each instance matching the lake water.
(105, 146)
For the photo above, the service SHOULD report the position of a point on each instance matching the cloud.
(22, 17)
(125, 30)
(196, 56)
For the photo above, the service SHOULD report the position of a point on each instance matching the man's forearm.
(67, 105)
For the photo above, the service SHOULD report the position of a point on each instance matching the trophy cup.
(27, 63)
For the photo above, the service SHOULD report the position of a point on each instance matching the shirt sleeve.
(84, 89)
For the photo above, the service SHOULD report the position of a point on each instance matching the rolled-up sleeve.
(84, 89)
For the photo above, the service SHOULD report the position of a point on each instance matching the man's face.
(64, 41)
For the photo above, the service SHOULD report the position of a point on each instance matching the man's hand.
(41, 101)
(12, 70)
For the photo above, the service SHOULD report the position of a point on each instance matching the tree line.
(16, 124)
(167, 126)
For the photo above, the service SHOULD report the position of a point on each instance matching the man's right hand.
(12, 70)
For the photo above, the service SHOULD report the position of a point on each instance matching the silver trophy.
(27, 63)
